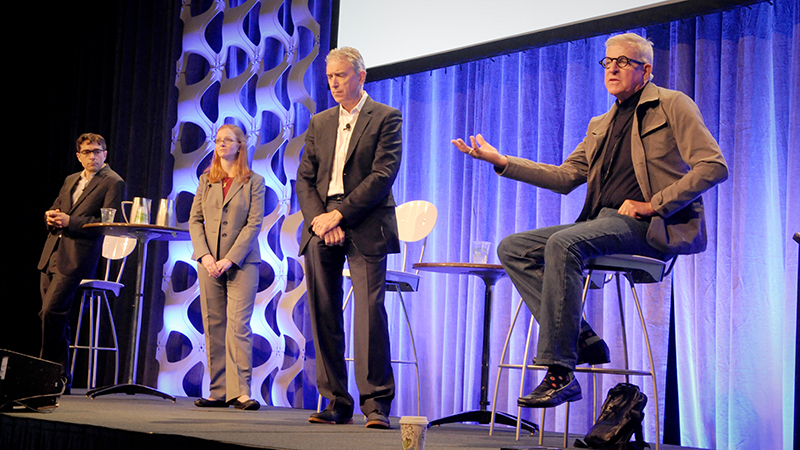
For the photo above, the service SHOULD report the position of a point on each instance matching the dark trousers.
(57, 292)
(373, 369)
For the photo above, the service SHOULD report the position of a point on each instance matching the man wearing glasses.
(71, 254)
(646, 163)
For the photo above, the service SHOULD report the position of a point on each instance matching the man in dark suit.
(344, 187)
(70, 253)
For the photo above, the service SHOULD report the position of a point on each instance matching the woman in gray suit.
(224, 224)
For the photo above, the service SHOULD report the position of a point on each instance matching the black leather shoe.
(377, 419)
(247, 405)
(592, 349)
(330, 417)
(206, 403)
(544, 396)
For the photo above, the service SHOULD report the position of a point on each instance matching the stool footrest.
(612, 371)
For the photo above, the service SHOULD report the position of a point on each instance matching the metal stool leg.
(115, 349)
(530, 426)
(96, 342)
(566, 427)
(500, 369)
(92, 344)
(413, 348)
(650, 359)
(96, 301)
(76, 343)
(522, 377)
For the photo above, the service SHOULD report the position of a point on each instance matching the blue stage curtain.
(734, 304)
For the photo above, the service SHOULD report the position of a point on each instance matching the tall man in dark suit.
(70, 253)
(344, 187)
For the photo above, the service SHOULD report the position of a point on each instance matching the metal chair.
(599, 271)
(94, 295)
(415, 221)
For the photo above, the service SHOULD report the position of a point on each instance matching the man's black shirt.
(618, 181)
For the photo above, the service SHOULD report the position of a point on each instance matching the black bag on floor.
(621, 418)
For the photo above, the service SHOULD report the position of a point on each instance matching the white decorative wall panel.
(243, 63)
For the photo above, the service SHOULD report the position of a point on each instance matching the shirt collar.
(633, 100)
(357, 109)
(88, 175)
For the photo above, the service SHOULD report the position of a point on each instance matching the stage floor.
(137, 421)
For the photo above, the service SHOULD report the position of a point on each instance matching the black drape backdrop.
(101, 66)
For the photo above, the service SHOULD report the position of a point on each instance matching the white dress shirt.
(83, 181)
(347, 121)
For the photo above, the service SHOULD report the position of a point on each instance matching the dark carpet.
(122, 421)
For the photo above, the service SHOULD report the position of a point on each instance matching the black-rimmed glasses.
(97, 152)
(622, 61)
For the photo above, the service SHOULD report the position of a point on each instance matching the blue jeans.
(546, 266)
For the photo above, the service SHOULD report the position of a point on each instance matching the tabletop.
(136, 230)
(495, 271)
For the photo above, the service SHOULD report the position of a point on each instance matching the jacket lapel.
(651, 121)
(599, 133)
(361, 124)
(93, 183)
(236, 186)
(327, 144)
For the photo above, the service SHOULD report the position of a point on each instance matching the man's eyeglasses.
(622, 61)
(97, 152)
(226, 141)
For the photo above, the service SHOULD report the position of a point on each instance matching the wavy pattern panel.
(241, 64)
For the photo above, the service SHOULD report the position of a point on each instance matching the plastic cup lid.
(414, 420)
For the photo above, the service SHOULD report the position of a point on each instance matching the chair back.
(115, 248)
(415, 221)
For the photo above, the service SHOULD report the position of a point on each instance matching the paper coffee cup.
(412, 432)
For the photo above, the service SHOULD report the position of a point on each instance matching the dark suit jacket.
(371, 166)
(79, 251)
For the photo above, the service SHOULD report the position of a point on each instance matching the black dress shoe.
(330, 417)
(545, 396)
(206, 403)
(247, 405)
(592, 349)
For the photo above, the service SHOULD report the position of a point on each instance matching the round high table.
(490, 274)
(143, 233)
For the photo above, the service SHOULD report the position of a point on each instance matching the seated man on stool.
(646, 163)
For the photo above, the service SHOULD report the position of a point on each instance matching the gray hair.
(350, 55)
(643, 47)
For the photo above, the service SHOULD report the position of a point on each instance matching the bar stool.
(94, 295)
(599, 271)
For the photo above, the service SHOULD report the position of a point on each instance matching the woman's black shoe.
(206, 403)
(247, 405)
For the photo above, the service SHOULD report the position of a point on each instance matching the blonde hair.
(241, 166)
